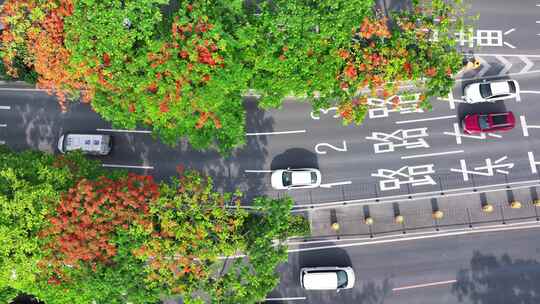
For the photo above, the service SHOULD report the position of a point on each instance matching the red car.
(493, 122)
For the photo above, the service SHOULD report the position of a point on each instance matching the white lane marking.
(400, 238)
(3, 125)
(22, 89)
(127, 166)
(276, 133)
(424, 119)
(494, 135)
(126, 131)
(330, 185)
(432, 154)
(451, 100)
(257, 171)
(529, 92)
(420, 195)
(485, 66)
(532, 162)
(5, 108)
(285, 299)
(509, 31)
(2, 142)
(509, 45)
(524, 125)
(528, 64)
(497, 76)
(508, 55)
(507, 64)
(537, 21)
(424, 285)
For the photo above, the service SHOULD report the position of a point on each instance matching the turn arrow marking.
(528, 64)
(506, 63)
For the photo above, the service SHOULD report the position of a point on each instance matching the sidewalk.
(458, 212)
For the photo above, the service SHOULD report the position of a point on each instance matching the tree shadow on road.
(492, 280)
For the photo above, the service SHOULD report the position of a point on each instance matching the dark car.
(492, 122)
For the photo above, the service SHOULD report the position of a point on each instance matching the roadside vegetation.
(72, 232)
(181, 68)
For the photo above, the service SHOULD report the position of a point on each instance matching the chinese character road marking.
(409, 173)
(386, 145)
(457, 133)
(405, 106)
(490, 168)
(526, 127)
(533, 163)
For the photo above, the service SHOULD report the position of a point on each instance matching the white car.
(327, 278)
(285, 179)
(487, 91)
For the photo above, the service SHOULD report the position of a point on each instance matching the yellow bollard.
(335, 226)
(438, 214)
(487, 208)
(515, 205)
(368, 220)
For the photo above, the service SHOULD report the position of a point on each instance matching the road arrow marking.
(485, 67)
(335, 184)
(507, 64)
(528, 64)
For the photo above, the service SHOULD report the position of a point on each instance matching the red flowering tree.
(83, 228)
(179, 81)
(35, 32)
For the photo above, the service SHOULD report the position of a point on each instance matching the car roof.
(500, 87)
(301, 178)
(320, 280)
(86, 142)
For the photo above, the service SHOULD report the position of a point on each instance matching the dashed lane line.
(124, 131)
(424, 119)
(286, 299)
(5, 108)
(432, 154)
(330, 185)
(127, 166)
(276, 133)
(3, 125)
(424, 285)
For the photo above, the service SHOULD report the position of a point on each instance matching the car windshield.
(341, 279)
(313, 177)
(499, 120)
(485, 90)
(287, 178)
(483, 122)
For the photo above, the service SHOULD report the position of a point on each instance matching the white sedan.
(285, 179)
(487, 91)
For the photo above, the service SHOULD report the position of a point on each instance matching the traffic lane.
(501, 15)
(498, 267)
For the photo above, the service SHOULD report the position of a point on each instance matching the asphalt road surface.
(491, 268)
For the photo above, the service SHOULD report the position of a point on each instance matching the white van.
(327, 278)
(95, 144)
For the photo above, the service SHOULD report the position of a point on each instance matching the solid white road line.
(524, 125)
(5, 108)
(494, 135)
(335, 184)
(3, 125)
(538, 21)
(424, 285)
(400, 238)
(529, 92)
(276, 133)
(509, 31)
(285, 299)
(127, 166)
(425, 119)
(257, 171)
(126, 131)
(432, 154)
(532, 162)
